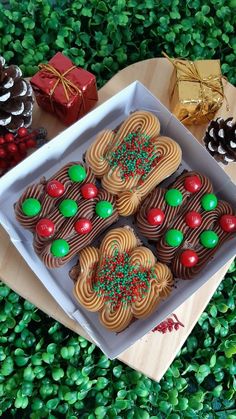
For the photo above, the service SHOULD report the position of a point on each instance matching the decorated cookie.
(133, 160)
(121, 280)
(65, 213)
(193, 223)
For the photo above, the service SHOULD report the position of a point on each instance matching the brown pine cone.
(220, 140)
(16, 99)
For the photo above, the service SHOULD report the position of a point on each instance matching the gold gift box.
(196, 90)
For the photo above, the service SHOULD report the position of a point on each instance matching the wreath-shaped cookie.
(133, 160)
(121, 280)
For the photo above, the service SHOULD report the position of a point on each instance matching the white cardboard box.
(70, 146)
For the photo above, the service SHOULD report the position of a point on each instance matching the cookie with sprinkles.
(133, 159)
(121, 280)
(65, 213)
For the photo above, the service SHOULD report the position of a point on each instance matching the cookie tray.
(70, 146)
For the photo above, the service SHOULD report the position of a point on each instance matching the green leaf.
(102, 7)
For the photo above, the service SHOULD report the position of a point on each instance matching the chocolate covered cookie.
(187, 222)
(65, 213)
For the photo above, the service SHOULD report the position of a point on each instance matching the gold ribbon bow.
(191, 74)
(68, 85)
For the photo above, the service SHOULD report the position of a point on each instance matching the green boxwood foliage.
(46, 371)
(105, 36)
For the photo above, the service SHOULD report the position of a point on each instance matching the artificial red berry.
(83, 226)
(22, 132)
(155, 216)
(2, 141)
(9, 137)
(193, 219)
(89, 191)
(55, 188)
(45, 227)
(2, 153)
(31, 143)
(18, 157)
(22, 147)
(228, 223)
(3, 164)
(12, 148)
(192, 184)
(189, 258)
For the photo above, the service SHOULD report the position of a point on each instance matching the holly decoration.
(14, 147)
(168, 325)
(220, 140)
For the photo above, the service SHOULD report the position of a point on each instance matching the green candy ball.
(77, 173)
(60, 248)
(174, 237)
(104, 209)
(174, 197)
(68, 208)
(31, 207)
(209, 239)
(209, 202)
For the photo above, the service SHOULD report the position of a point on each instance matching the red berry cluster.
(168, 325)
(13, 148)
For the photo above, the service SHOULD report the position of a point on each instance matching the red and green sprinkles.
(118, 281)
(135, 156)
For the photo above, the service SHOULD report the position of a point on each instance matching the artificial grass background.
(46, 370)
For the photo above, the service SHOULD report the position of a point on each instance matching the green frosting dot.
(174, 237)
(60, 248)
(209, 239)
(31, 207)
(68, 208)
(209, 202)
(104, 209)
(174, 197)
(77, 173)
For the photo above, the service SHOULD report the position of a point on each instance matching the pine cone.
(16, 100)
(220, 140)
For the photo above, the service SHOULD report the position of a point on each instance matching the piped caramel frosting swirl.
(175, 219)
(117, 243)
(131, 189)
(64, 227)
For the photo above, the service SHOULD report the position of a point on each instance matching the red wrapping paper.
(78, 103)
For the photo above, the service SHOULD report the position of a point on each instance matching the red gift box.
(64, 89)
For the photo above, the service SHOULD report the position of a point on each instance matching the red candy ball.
(45, 227)
(12, 148)
(31, 143)
(228, 223)
(2, 153)
(192, 184)
(193, 219)
(55, 188)
(155, 216)
(83, 226)
(22, 132)
(89, 191)
(189, 258)
(9, 138)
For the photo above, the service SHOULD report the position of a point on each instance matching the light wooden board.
(154, 353)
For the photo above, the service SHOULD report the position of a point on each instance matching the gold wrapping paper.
(196, 90)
